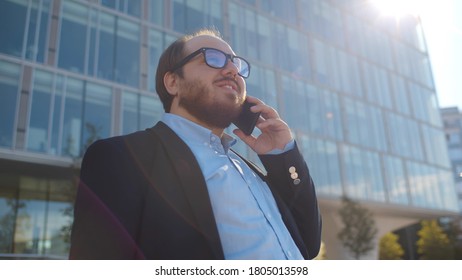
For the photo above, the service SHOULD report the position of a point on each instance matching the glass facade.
(359, 96)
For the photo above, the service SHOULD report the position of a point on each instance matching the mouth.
(229, 84)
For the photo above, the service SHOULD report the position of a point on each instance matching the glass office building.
(452, 121)
(356, 89)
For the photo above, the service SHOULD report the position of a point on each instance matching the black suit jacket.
(143, 196)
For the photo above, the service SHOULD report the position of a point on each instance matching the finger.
(273, 124)
(253, 99)
(266, 111)
(248, 139)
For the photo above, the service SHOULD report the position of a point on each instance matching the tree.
(433, 243)
(359, 228)
(389, 247)
(453, 228)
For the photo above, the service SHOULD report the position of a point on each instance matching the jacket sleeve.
(107, 201)
(289, 178)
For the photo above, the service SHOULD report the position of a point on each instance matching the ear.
(171, 83)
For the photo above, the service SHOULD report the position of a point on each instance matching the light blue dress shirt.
(248, 220)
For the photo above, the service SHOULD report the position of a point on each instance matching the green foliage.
(433, 243)
(359, 228)
(389, 247)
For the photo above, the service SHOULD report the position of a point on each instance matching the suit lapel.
(192, 183)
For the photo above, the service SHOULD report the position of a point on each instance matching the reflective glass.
(139, 111)
(130, 119)
(284, 10)
(96, 115)
(104, 44)
(400, 94)
(72, 121)
(189, 16)
(29, 237)
(396, 182)
(73, 37)
(295, 110)
(265, 37)
(12, 26)
(37, 34)
(58, 112)
(244, 31)
(321, 63)
(403, 134)
(9, 81)
(355, 178)
(326, 171)
(156, 12)
(8, 210)
(156, 44)
(127, 53)
(131, 7)
(262, 84)
(40, 112)
(41, 217)
(150, 111)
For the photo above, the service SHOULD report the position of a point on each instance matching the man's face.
(213, 96)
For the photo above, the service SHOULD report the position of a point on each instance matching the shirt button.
(289, 254)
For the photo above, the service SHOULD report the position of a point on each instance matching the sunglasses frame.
(203, 51)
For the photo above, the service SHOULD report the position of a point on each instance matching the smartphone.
(247, 119)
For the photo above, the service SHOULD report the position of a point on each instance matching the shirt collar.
(192, 133)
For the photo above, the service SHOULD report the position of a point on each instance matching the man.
(177, 190)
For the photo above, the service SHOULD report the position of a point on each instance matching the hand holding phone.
(247, 119)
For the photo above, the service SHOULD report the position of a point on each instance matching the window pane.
(29, 237)
(150, 111)
(189, 16)
(9, 80)
(396, 180)
(37, 36)
(156, 9)
(37, 134)
(127, 53)
(97, 114)
(106, 43)
(8, 210)
(42, 216)
(58, 108)
(155, 50)
(12, 26)
(72, 125)
(72, 44)
(59, 217)
(130, 118)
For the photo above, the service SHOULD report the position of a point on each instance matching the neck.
(218, 131)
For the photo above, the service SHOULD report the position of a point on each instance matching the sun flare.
(399, 8)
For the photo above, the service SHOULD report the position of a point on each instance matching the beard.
(200, 102)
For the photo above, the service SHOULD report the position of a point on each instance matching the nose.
(230, 69)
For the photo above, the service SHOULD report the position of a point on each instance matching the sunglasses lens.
(243, 67)
(215, 58)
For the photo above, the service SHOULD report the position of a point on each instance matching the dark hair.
(171, 56)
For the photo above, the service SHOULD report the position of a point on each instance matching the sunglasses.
(218, 60)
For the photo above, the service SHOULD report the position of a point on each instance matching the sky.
(442, 25)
